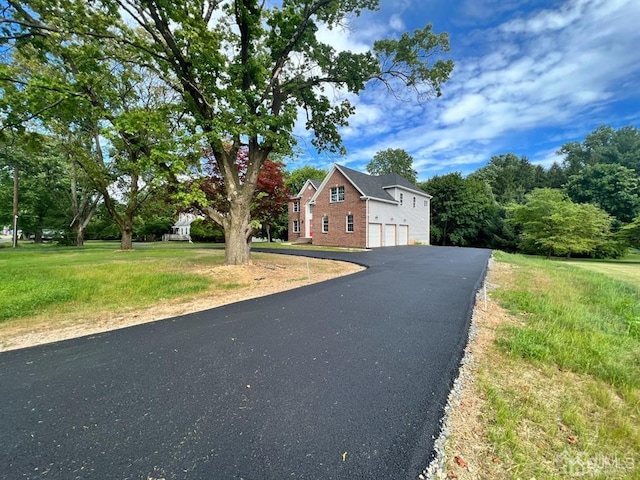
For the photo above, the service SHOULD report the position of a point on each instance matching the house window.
(414, 202)
(296, 207)
(426, 203)
(311, 208)
(296, 226)
(401, 199)
(337, 194)
(325, 224)
(349, 223)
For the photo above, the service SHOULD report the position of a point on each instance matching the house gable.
(339, 212)
(299, 212)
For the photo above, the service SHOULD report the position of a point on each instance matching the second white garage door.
(389, 235)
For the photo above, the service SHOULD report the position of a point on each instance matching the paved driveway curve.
(346, 379)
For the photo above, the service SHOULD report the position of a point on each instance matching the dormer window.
(337, 194)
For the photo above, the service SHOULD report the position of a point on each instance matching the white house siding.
(415, 220)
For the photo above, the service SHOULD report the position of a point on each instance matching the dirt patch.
(230, 284)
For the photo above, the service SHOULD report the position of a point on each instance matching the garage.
(375, 235)
(403, 235)
(389, 235)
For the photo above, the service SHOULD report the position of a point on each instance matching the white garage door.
(375, 235)
(403, 235)
(389, 235)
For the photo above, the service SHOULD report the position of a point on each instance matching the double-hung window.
(325, 224)
(296, 226)
(296, 207)
(337, 194)
(349, 223)
(401, 199)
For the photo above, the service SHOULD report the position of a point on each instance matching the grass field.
(563, 387)
(56, 280)
(626, 269)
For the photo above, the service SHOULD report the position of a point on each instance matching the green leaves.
(612, 187)
(393, 160)
(461, 209)
(551, 223)
(412, 61)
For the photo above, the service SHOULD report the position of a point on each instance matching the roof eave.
(384, 200)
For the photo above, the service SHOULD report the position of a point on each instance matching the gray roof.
(375, 185)
(316, 184)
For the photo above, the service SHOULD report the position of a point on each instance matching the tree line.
(587, 204)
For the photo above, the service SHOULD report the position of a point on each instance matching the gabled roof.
(314, 183)
(375, 186)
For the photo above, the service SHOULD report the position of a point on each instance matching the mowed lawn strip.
(562, 387)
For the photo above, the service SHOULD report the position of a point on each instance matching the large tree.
(463, 210)
(510, 177)
(296, 179)
(121, 117)
(243, 69)
(270, 201)
(550, 223)
(393, 160)
(612, 187)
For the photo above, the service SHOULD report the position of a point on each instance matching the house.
(353, 209)
(181, 230)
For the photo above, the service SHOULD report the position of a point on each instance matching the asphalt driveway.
(345, 379)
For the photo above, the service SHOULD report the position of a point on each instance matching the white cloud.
(396, 23)
(552, 70)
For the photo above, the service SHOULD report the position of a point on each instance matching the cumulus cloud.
(541, 69)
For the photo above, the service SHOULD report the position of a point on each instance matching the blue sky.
(530, 75)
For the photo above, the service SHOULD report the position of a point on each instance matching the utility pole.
(16, 183)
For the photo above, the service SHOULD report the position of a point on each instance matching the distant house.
(181, 230)
(353, 209)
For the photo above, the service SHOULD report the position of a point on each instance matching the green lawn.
(54, 280)
(563, 387)
(626, 269)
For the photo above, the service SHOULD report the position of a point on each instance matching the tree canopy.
(612, 187)
(510, 177)
(461, 209)
(552, 224)
(393, 160)
(296, 178)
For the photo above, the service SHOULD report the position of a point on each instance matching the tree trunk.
(16, 194)
(79, 236)
(126, 242)
(237, 233)
(126, 227)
